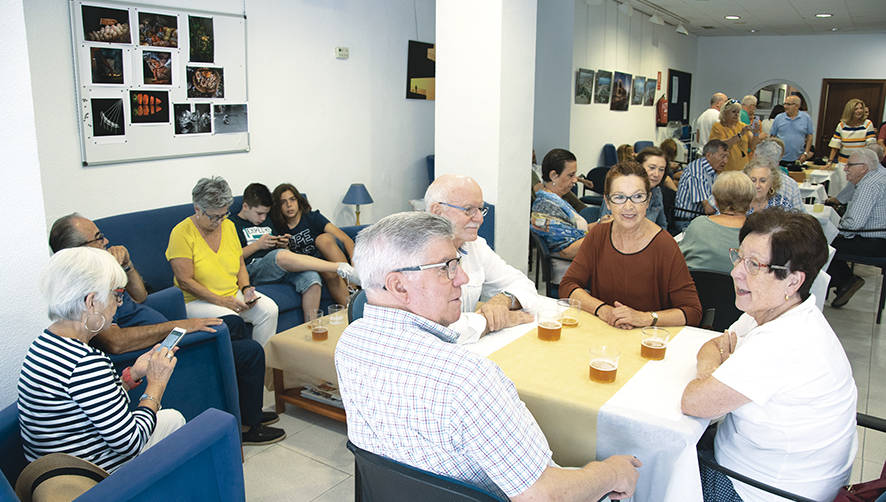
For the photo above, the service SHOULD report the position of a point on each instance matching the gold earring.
(787, 297)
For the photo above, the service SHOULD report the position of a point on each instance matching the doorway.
(835, 92)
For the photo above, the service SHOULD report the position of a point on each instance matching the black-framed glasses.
(98, 237)
(469, 211)
(215, 218)
(118, 295)
(450, 266)
(620, 198)
(751, 265)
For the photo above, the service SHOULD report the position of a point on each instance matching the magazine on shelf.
(324, 393)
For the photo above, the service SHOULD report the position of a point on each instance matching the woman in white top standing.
(779, 374)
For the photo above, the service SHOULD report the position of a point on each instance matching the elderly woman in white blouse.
(779, 373)
(70, 400)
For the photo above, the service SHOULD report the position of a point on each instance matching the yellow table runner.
(303, 360)
(552, 379)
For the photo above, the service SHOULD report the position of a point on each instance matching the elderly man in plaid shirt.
(413, 395)
(865, 211)
(694, 191)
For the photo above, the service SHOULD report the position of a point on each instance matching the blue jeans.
(265, 270)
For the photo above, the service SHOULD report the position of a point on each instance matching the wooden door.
(834, 95)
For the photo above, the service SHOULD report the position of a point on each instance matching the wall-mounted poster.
(107, 117)
(230, 118)
(584, 86)
(621, 91)
(192, 118)
(206, 82)
(420, 70)
(101, 24)
(651, 84)
(201, 38)
(157, 67)
(638, 90)
(158, 30)
(149, 107)
(107, 65)
(602, 86)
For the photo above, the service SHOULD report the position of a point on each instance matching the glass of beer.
(654, 343)
(549, 325)
(569, 309)
(337, 314)
(317, 323)
(603, 365)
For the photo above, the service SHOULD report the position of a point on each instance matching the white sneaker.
(347, 272)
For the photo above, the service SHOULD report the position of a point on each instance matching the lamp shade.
(357, 194)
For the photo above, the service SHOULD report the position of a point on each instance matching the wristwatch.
(513, 300)
(654, 318)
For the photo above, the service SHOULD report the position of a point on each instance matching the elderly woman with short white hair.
(766, 178)
(70, 400)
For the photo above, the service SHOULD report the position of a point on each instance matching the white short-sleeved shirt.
(798, 432)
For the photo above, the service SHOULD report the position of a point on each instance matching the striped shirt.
(71, 401)
(695, 187)
(413, 395)
(848, 138)
(867, 209)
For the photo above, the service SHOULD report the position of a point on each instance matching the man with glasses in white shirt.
(505, 289)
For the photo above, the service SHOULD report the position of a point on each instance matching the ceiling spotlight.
(834, 28)
(626, 8)
(753, 30)
(656, 19)
(732, 17)
(681, 30)
(823, 14)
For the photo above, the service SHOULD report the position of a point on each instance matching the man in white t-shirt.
(708, 118)
(506, 290)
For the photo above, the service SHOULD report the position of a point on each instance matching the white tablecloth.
(828, 218)
(835, 177)
(817, 192)
(644, 417)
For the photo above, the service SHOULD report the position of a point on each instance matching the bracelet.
(127, 378)
(127, 268)
(151, 398)
(243, 289)
(598, 308)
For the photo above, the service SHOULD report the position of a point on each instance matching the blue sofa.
(146, 235)
(200, 461)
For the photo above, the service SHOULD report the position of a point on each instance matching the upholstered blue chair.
(640, 145)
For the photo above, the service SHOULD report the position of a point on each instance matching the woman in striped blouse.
(853, 131)
(70, 400)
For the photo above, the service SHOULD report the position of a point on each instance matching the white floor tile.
(280, 474)
(342, 492)
(324, 445)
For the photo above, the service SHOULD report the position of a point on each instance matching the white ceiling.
(774, 17)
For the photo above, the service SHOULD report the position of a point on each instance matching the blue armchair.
(200, 461)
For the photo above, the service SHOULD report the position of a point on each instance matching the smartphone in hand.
(172, 338)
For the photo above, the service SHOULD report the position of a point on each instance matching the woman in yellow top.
(736, 134)
(207, 261)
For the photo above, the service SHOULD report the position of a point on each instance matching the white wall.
(554, 78)
(315, 121)
(24, 253)
(804, 60)
(608, 40)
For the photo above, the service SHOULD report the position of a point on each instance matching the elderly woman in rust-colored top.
(629, 272)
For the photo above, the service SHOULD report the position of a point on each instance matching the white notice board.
(158, 82)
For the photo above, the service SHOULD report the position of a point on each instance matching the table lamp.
(357, 194)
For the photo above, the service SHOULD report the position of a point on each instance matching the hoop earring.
(86, 322)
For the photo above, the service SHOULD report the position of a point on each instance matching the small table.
(297, 360)
(815, 192)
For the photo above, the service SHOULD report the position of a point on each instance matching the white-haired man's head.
(459, 199)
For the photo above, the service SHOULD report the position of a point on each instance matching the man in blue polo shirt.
(794, 128)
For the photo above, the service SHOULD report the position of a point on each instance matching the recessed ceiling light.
(834, 28)
(753, 31)
(732, 17)
(823, 14)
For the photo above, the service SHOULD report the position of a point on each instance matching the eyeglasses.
(637, 198)
(451, 267)
(856, 164)
(215, 218)
(118, 295)
(98, 237)
(470, 212)
(751, 265)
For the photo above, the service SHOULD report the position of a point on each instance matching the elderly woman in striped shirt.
(854, 131)
(70, 399)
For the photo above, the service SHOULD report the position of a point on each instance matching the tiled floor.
(312, 464)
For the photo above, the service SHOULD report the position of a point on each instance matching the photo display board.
(158, 82)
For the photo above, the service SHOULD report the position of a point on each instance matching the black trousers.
(864, 246)
(249, 364)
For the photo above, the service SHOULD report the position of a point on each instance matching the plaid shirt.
(695, 187)
(867, 209)
(413, 395)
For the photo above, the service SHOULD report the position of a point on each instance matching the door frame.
(876, 108)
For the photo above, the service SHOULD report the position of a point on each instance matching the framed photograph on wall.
(651, 84)
(602, 86)
(584, 86)
(638, 90)
(621, 92)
